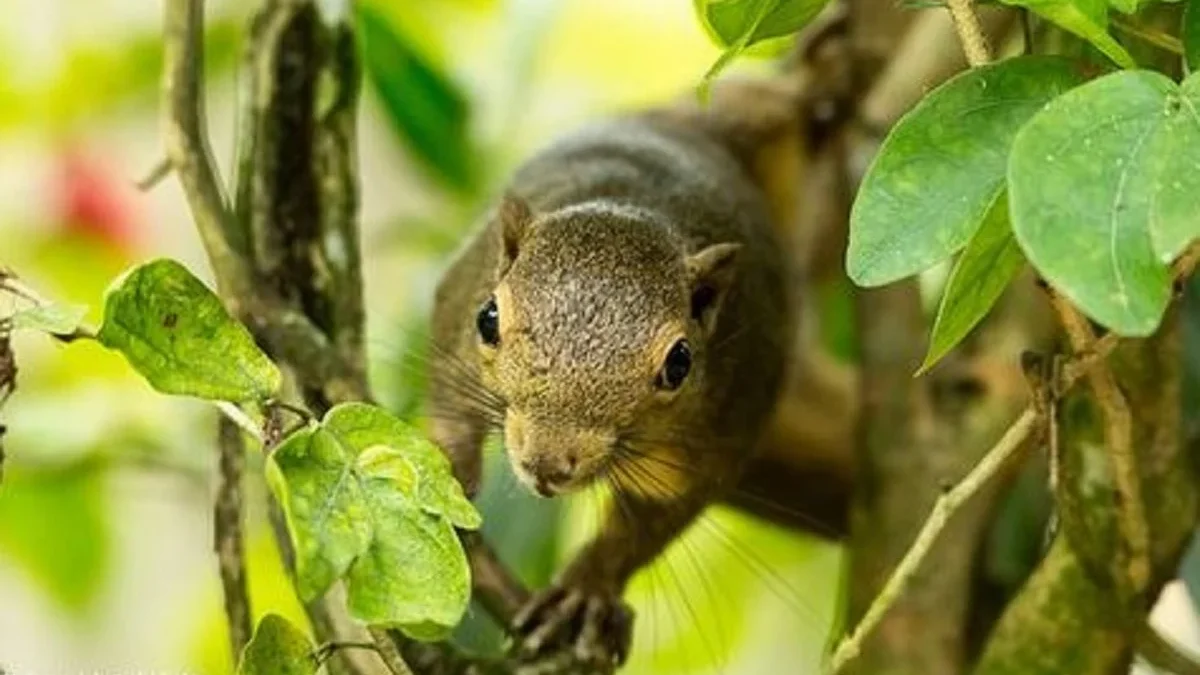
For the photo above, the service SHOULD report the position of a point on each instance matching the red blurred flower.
(94, 199)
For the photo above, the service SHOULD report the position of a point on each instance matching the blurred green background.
(105, 524)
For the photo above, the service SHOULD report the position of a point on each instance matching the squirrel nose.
(549, 472)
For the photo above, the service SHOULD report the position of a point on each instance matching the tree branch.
(1118, 438)
(186, 139)
(945, 507)
(228, 537)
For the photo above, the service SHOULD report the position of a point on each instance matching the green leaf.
(1086, 18)
(736, 25)
(177, 334)
(990, 261)
(1174, 156)
(52, 318)
(1082, 190)
(369, 499)
(942, 165)
(277, 648)
(426, 108)
(1191, 34)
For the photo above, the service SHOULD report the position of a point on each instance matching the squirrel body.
(626, 313)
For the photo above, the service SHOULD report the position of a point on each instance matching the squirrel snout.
(548, 459)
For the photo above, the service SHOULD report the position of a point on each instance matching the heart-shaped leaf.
(277, 648)
(369, 499)
(942, 166)
(175, 332)
(989, 262)
(1084, 190)
(1086, 18)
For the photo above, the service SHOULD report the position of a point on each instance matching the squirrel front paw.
(596, 628)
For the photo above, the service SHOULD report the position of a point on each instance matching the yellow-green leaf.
(277, 648)
(368, 499)
(176, 333)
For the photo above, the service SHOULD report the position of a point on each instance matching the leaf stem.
(239, 417)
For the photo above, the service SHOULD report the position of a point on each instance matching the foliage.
(736, 25)
(942, 166)
(368, 499)
(1098, 191)
(277, 648)
(176, 333)
(986, 266)
(1104, 193)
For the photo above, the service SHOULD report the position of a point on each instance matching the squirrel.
(626, 312)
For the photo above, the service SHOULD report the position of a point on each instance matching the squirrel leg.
(583, 610)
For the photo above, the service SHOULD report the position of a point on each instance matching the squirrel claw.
(594, 629)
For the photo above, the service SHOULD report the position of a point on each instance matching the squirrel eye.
(677, 366)
(488, 322)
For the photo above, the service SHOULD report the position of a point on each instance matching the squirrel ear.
(710, 272)
(515, 215)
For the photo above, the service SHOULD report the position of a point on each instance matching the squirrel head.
(597, 330)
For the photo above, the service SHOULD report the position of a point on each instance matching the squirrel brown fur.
(627, 312)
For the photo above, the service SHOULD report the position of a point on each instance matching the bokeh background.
(106, 561)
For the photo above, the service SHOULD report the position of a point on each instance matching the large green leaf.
(1086, 18)
(943, 164)
(177, 334)
(427, 109)
(369, 499)
(277, 648)
(736, 25)
(990, 261)
(1191, 34)
(54, 523)
(1174, 157)
(1083, 180)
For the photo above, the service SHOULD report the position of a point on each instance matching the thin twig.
(155, 175)
(1118, 439)
(241, 419)
(970, 32)
(1080, 364)
(388, 652)
(943, 509)
(227, 535)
